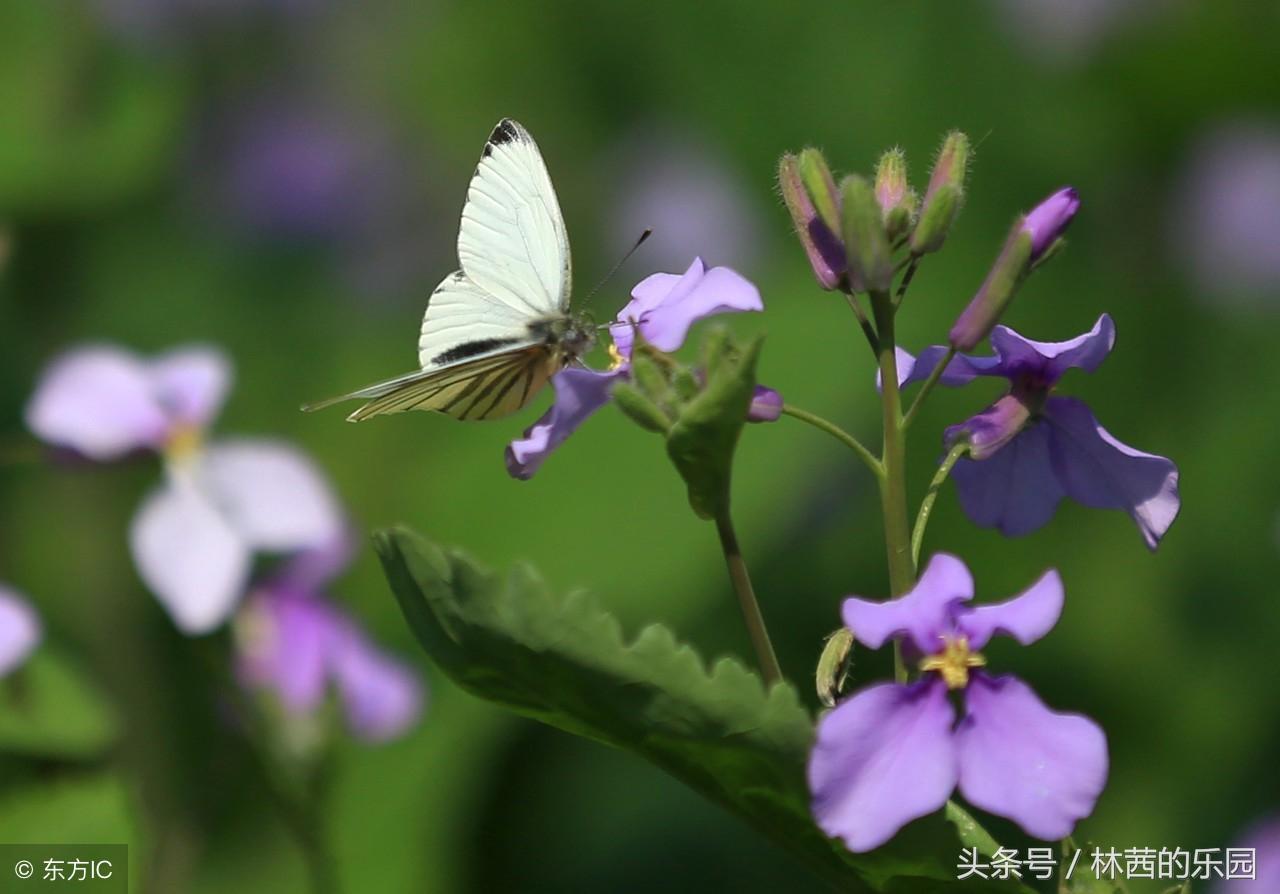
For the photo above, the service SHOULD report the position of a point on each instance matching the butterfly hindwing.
(461, 316)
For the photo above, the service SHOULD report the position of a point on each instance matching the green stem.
(934, 375)
(872, 339)
(839, 434)
(912, 266)
(959, 449)
(893, 484)
(747, 600)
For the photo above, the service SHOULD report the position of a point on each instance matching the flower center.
(183, 444)
(954, 661)
(616, 360)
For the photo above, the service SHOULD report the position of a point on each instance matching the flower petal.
(271, 493)
(308, 570)
(191, 383)
(99, 401)
(579, 393)
(924, 613)
(1020, 760)
(383, 697)
(664, 306)
(766, 405)
(1099, 471)
(1026, 617)
(188, 555)
(961, 370)
(20, 630)
(1015, 489)
(283, 642)
(1049, 360)
(883, 757)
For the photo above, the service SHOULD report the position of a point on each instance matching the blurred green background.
(283, 178)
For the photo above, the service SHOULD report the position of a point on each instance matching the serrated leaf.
(565, 662)
(49, 709)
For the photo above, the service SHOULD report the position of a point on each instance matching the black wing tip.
(507, 130)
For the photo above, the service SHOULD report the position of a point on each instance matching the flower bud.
(945, 195)
(640, 409)
(1050, 219)
(766, 405)
(866, 242)
(996, 291)
(994, 427)
(833, 666)
(810, 196)
(896, 199)
(1032, 239)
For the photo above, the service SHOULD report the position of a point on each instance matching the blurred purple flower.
(893, 752)
(1226, 223)
(1030, 449)
(1067, 31)
(293, 641)
(1264, 841)
(663, 307)
(194, 537)
(20, 630)
(157, 21)
(686, 195)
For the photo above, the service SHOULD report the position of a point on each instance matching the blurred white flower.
(20, 630)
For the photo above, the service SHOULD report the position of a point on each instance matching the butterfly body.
(497, 329)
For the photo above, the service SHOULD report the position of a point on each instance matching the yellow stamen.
(954, 661)
(616, 360)
(183, 444)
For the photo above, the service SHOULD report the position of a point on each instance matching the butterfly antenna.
(608, 276)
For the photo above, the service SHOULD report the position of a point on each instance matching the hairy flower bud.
(866, 242)
(1028, 242)
(810, 196)
(896, 199)
(945, 195)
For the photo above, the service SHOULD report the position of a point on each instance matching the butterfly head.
(572, 335)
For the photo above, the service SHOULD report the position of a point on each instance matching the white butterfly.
(499, 328)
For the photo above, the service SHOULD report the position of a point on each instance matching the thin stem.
(934, 375)
(912, 266)
(893, 485)
(959, 449)
(872, 339)
(747, 600)
(839, 434)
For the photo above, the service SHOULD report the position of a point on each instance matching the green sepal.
(833, 666)
(704, 436)
(935, 221)
(866, 243)
(821, 186)
(640, 409)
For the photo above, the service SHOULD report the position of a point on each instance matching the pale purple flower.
(195, 536)
(1263, 840)
(1049, 220)
(1069, 31)
(663, 307)
(685, 193)
(20, 630)
(292, 641)
(1031, 448)
(893, 752)
(1227, 215)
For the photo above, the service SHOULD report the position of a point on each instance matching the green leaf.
(49, 709)
(702, 440)
(565, 662)
(969, 832)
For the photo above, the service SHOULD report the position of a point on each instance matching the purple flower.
(1264, 841)
(663, 307)
(1031, 449)
(20, 630)
(194, 537)
(1046, 222)
(295, 643)
(893, 752)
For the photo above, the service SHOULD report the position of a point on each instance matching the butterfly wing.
(486, 387)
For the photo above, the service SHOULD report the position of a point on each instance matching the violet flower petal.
(188, 554)
(308, 570)
(924, 613)
(20, 630)
(1050, 219)
(961, 370)
(382, 696)
(579, 393)
(1049, 360)
(283, 645)
(1016, 489)
(191, 383)
(1264, 840)
(271, 493)
(883, 757)
(664, 306)
(1026, 617)
(1099, 471)
(1020, 760)
(99, 401)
